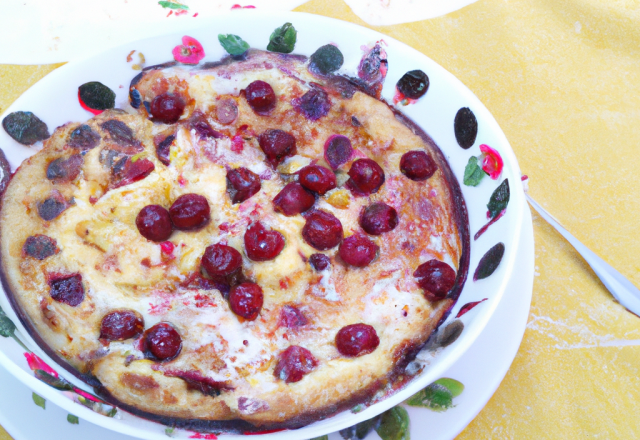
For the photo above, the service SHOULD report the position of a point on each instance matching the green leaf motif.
(452, 385)
(7, 327)
(473, 173)
(499, 199)
(112, 412)
(169, 431)
(394, 424)
(322, 437)
(38, 400)
(283, 39)
(233, 44)
(73, 419)
(55, 382)
(489, 262)
(436, 397)
(172, 5)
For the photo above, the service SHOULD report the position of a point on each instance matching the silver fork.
(621, 288)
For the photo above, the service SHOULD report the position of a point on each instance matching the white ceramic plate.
(490, 356)
(54, 100)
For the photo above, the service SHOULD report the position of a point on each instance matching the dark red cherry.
(120, 325)
(357, 340)
(220, 260)
(322, 230)
(261, 97)
(357, 250)
(64, 170)
(378, 218)
(366, 177)
(337, 150)
(242, 184)
(313, 105)
(319, 261)
(40, 247)
(190, 212)
(162, 342)
(167, 108)
(417, 165)
(276, 145)
(246, 300)
(154, 223)
(226, 111)
(67, 289)
(436, 278)
(262, 244)
(294, 363)
(293, 199)
(292, 317)
(317, 179)
(163, 149)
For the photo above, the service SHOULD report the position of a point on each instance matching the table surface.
(562, 78)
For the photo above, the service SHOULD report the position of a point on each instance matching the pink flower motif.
(236, 6)
(190, 52)
(35, 363)
(492, 161)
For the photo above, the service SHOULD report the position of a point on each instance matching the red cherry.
(167, 108)
(262, 244)
(366, 177)
(246, 300)
(120, 325)
(162, 342)
(292, 317)
(322, 230)
(154, 223)
(276, 145)
(293, 200)
(378, 218)
(317, 179)
(337, 150)
(319, 261)
(294, 363)
(436, 278)
(67, 289)
(220, 260)
(417, 165)
(242, 184)
(190, 212)
(261, 97)
(357, 250)
(357, 340)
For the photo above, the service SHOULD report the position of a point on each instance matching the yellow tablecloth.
(562, 78)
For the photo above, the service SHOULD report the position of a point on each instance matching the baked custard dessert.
(254, 245)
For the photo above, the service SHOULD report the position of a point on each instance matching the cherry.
(357, 250)
(227, 111)
(294, 363)
(133, 171)
(313, 105)
(220, 260)
(154, 223)
(163, 149)
(190, 212)
(199, 123)
(276, 145)
(242, 184)
(262, 244)
(292, 317)
(366, 177)
(316, 178)
(417, 165)
(167, 108)
(436, 278)
(378, 218)
(120, 325)
(337, 150)
(67, 289)
(246, 300)
(357, 340)
(293, 199)
(162, 342)
(51, 208)
(40, 247)
(261, 97)
(322, 230)
(83, 138)
(319, 261)
(63, 170)
(413, 84)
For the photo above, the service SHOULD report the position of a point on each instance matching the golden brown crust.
(97, 238)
